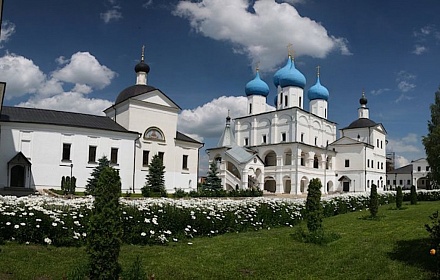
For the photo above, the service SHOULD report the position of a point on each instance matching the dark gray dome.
(132, 92)
(362, 122)
(142, 67)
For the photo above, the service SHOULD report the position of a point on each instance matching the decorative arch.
(330, 186)
(270, 184)
(288, 156)
(270, 159)
(287, 184)
(304, 184)
(154, 133)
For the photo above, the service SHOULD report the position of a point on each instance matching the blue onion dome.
(277, 75)
(292, 77)
(257, 87)
(363, 100)
(318, 91)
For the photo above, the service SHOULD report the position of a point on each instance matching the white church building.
(281, 150)
(38, 147)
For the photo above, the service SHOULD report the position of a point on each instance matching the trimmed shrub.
(374, 203)
(399, 197)
(93, 181)
(105, 227)
(314, 211)
(413, 195)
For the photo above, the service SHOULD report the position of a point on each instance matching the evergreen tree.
(213, 182)
(432, 141)
(413, 195)
(155, 177)
(105, 227)
(399, 197)
(314, 211)
(374, 201)
(93, 181)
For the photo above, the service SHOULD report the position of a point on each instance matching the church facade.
(38, 147)
(281, 150)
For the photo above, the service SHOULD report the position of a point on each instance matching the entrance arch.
(270, 184)
(304, 185)
(287, 184)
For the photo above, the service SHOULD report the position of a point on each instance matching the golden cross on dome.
(318, 67)
(257, 68)
(143, 52)
(290, 49)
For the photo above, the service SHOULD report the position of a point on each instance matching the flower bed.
(63, 222)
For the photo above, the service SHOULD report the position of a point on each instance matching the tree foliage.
(155, 178)
(314, 211)
(93, 180)
(213, 182)
(374, 201)
(105, 227)
(432, 141)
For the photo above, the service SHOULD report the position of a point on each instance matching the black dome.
(132, 92)
(362, 122)
(142, 67)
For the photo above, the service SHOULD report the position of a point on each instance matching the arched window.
(155, 134)
(315, 162)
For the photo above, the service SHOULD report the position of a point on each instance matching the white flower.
(143, 234)
(54, 224)
(47, 240)
(16, 226)
(151, 232)
(8, 223)
(190, 243)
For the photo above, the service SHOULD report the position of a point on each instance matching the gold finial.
(143, 52)
(318, 68)
(257, 67)
(290, 50)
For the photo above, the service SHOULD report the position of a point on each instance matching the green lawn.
(394, 247)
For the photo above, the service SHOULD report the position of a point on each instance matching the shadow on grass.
(415, 253)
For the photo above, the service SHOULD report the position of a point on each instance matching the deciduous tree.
(432, 141)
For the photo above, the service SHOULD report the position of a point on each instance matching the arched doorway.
(329, 186)
(304, 185)
(270, 185)
(18, 176)
(270, 159)
(287, 184)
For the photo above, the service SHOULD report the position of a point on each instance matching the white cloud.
(400, 161)
(418, 50)
(405, 84)
(69, 101)
(84, 68)
(113, 13)
(407, 144)
(7, 30)
(21, 75)
(208, 120)
(147, 4)
(379, 91)
(263, 35)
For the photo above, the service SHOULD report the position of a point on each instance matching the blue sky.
(78, 55)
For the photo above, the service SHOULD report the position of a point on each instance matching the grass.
(396, 246)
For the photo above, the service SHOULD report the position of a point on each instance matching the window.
(347, 163)
(250, 108)
(419, 168)
(145, 155)
(283, 137)
(316, 141)
(394, 182)
(368, 183)
(161, 154)
(378, 143)
(185, 162)
(427, 168)
(378, 165)
(303, 156)
(372, 165)
(315, 162)
(388, 182)
(400, 182)
(368, 163)
(302, 137)
(381, 165)
(285, 101)
(66, 151)
(114, 156)
(246, 141)
(92, 154)
(408, 182)
(381, 144)
(264, 139)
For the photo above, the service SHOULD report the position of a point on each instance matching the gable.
(157, 97)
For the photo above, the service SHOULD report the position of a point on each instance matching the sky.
(79, 55)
